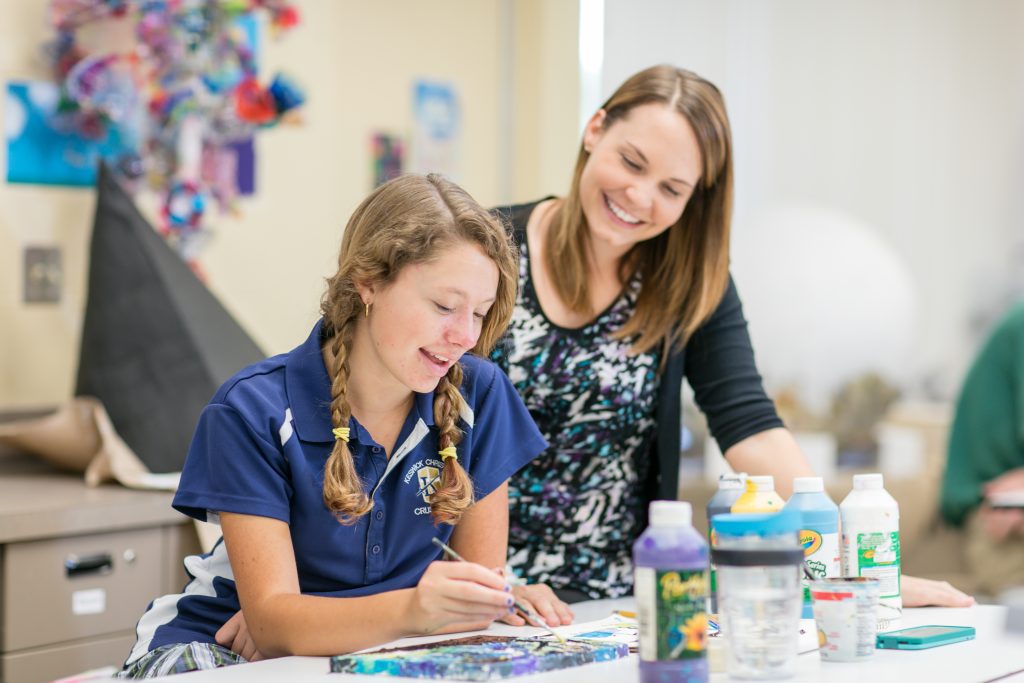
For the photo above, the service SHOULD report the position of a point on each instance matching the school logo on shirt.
(425, 475)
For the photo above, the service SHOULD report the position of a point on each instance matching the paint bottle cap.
(808, 485)
(764, 482)
(728, 482)
(670, 513)
(866, 482)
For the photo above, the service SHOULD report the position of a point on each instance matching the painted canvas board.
(478, 658)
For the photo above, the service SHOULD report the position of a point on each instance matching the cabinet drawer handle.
(100, 563)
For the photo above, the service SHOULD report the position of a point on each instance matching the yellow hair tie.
(449, 452)
(341, 434)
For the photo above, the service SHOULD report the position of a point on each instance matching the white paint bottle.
(871, 539)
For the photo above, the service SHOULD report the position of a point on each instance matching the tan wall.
(547, 88)
(357, 62)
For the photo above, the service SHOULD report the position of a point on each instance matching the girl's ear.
(594, 129)
(366, 291)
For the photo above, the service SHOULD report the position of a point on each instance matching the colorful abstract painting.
(478, 658)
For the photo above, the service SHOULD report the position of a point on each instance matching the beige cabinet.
(78, 566)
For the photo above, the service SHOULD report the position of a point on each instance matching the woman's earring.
(366, 311)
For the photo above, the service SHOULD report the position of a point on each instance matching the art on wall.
(437, 129)
(388, 155)
(177, 112)
(42, 150)
(478, 658)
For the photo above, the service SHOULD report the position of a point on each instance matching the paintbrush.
(530, 615)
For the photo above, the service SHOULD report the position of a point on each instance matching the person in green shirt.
(985, 466)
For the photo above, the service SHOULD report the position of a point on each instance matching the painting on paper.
(478, 658)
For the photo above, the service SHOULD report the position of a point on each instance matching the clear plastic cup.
(846, 614)
(759, 560)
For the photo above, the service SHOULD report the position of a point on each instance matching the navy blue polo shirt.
(260, 449)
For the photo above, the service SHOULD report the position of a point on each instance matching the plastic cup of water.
(758, 558)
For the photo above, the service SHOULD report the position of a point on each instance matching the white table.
(993, 654)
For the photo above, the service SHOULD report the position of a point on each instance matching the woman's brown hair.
(685, 269)
(408, 220)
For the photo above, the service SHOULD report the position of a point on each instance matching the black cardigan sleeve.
(718, 361)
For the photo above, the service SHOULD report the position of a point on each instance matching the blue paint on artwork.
(497, 658)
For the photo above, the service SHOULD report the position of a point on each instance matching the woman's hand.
(459, 593)
(918, 592)
(234, 635)
(539, 598)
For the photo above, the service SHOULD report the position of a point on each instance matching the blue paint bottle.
(671, 588)
(819, 532)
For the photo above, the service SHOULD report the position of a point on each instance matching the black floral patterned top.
(575, 509)
(612, 422)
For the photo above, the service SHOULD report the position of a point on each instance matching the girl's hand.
(234, 635)
(459, 592)
(542, 600)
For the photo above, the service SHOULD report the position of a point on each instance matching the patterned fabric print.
(179, 659)
(575, 510)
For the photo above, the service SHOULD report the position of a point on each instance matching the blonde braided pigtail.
(454, 493)
(343, 490)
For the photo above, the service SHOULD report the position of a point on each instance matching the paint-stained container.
(871, 538)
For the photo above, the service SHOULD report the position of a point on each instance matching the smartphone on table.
(923, 637)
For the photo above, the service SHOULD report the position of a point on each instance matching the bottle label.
(821, 555)
(878, 557)
(671, 610)
(712, 581)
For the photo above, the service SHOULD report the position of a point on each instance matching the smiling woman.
(624, 291)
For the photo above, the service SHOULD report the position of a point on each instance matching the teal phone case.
(923, 637)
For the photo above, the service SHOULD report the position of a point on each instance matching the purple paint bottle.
(671, 588)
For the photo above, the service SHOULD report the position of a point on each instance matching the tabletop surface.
(993, 654)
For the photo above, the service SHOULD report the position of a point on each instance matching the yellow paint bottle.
(760, 496)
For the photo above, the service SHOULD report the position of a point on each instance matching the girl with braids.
(330, 468)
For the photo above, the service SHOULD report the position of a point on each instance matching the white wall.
(905, 116)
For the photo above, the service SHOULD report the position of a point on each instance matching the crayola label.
(821, 555)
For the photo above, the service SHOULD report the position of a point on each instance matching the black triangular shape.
(156, 344)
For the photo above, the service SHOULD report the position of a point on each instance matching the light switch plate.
(44, 276)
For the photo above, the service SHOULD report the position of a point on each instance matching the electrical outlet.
(44, 276)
